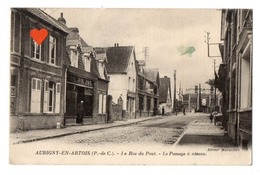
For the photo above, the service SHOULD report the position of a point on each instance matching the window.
(100, 103)
(141, 103)
(52, 50)
(246, 80)
(15, 32)
(133, 84)
(35, 95)
(74, 58)
(104, 104)
(148, 104)
(87, 63)
(57, 104)
(129, 83)
(51, 98)
(36, 50)
(101, 70)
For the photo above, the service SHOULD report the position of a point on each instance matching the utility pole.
(174, 95)
(215, 92)
(214, 62)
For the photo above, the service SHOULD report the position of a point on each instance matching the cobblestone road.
(162, 131)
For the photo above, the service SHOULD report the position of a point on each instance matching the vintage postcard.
(119, 86)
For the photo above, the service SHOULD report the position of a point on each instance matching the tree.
(211, 82)
(215, 83)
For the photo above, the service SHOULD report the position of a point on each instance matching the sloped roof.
(45, 17)
(165, 85)
(152, 74)
(83, 42)
(118, 58)
(94, 68)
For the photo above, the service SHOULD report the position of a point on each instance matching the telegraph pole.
(214, 62)
(215, 92)
(174, 95)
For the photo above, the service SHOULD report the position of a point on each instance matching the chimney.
(61, 19)
(116, 45)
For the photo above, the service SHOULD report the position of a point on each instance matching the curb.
(80, 132)
(184, 132)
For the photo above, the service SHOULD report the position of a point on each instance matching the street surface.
(161, 131)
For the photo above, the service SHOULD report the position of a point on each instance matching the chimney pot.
(61, 19)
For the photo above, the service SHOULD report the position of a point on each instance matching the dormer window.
(101, 69)
(87, 62)
(73, 56)
(52, 50)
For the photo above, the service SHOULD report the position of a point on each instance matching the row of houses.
(48, 81)
(235, 74)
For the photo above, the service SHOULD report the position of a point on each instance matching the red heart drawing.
(39, 35)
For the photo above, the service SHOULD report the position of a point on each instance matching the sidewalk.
(35, 135)
(205, 133)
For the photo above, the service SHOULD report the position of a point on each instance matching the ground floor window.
(74, 95)
(102, 101)
(141, 103)
(13, 94)
(51, 97)
(148, 104)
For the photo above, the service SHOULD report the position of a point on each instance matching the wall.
(131, 72)
(118, 85)
(167, 110)
(30, 122)
(117, 112)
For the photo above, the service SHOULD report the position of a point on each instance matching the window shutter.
(26, 33)
(33, 94)
(104, 103)
(57, 104)
(46, 90)
(43, 49)
(38, 96)
(100, 104)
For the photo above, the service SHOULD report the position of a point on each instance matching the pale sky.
(162, 30)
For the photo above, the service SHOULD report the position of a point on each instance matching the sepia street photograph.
(131, 86)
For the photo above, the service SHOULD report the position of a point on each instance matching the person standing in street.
(163, 110)
(183, 110)
(80, 113)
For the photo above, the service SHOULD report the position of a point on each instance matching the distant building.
(235, 74)
(200, 100)
(122, 72)
(37, 71)
(165, 97)
(147, 91)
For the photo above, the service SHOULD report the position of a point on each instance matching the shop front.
(79, 90)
